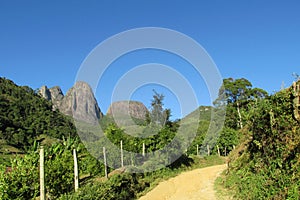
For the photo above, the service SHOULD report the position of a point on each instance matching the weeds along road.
(196, 184)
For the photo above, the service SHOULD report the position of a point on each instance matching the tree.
(236, 94)
(158, 115)
(227, 139)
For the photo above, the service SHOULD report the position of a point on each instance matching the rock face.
(56, 93)
(44, 92)
(133, 109)
(79, 102)
(56, 97)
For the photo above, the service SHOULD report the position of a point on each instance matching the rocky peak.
(133, 109)
(56, 93)
(45, 93)
(79, 102)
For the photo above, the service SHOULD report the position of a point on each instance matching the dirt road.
(197, 184)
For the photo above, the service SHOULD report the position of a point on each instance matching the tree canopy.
(236, 94)
(158, 114)
(24, 116)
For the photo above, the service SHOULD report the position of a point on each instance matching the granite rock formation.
(133, 109)
(45, 92)
(79, 102)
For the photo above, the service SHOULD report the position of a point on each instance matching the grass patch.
(222, 193)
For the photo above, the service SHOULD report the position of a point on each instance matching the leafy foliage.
(24, 115)
(158, 115)
(270, 165)
(118, 187)
(227, 140)
(236, 94)
(22, 181)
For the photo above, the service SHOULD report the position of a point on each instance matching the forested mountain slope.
(24, 116)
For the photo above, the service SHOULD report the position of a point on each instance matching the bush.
(22, 182)
(118, 187)
(270, 166)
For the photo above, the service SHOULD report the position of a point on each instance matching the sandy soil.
(196, 184)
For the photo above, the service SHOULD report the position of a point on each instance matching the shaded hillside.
(203, 113)
(196, 126)
(24, 116)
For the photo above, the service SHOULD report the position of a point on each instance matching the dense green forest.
(25, 117)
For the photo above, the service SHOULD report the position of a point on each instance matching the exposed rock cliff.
(133, 109)
(56, 93)
(44, 92)
(79, 102)
(56, 97)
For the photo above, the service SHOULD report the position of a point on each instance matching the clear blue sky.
(45, 42)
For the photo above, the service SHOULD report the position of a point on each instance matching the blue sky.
(44, 43)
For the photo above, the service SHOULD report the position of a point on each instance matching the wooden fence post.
(144, 149)
(42, 174)
(197, 149)
(76, 176)
(225, 151)
(218, 150)
(208, 151)
(122, 158)
(105, 162)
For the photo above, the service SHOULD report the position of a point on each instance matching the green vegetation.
(24, 116)
(154, 135)
(158, 115)
(237, 94)
(21, 179)
(267, 162)
(19, 176)
(118, 187)
(132, 186)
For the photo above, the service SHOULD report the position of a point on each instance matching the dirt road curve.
(197, 184)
